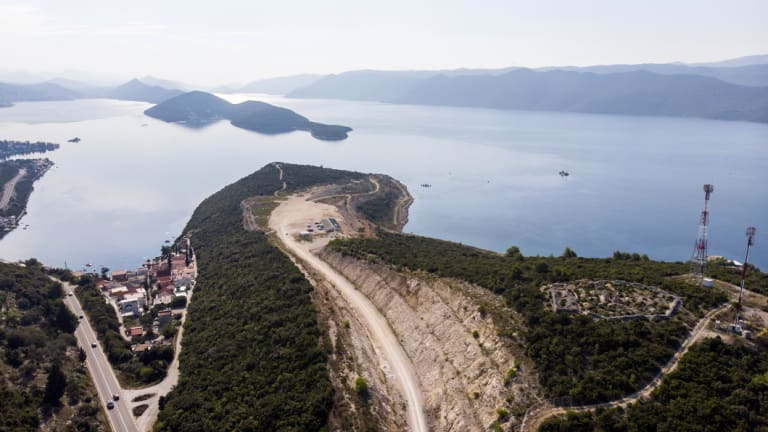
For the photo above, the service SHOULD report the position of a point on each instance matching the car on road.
(81, 317)
(110, 404)
(69, 293)
(115, 397)
(93, 344)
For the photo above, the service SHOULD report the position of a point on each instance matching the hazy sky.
(221, 41)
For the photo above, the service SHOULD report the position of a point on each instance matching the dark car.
(115, 397)
(110, 404)
(93, 344)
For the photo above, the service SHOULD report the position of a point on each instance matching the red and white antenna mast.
(750, 242)
(699, 256)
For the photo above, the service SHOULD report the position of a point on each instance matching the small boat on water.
(74, 140)
(564, 173)
(425, 185)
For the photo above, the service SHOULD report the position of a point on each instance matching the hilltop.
(10, 93)
(198, 108)
(136, 90)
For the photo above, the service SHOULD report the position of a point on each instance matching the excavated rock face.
(460, 360)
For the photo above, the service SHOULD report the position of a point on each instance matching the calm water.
(635, 182)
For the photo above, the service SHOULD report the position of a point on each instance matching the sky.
(228, 41)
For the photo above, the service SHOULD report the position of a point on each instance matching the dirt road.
(536, 417)
(9, 187)
(287, 220)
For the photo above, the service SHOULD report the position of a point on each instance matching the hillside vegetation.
(717, 387)
(251, 359)
(42, 377)
(581, 360)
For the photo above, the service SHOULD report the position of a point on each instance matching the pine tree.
(54, 388)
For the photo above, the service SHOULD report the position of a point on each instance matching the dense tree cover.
(7, 171)
(578, 358)
(717, 387)
(756, 280)
(148, 367)
(380, 207)
(251, 358)
(38, 357)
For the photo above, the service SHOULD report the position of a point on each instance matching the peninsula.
(17, 177)
(196, 109)
(423, 334)
(10, 148)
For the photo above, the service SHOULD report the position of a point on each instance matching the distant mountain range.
(631, 93)
(738, 91)
(732, 89)
(276, 86)
(136, 90)
(748, 75)
(66, 89)
(196, 109)
(10, 93)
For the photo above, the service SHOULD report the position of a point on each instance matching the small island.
(198, 109)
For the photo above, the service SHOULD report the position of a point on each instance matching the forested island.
(196, 109)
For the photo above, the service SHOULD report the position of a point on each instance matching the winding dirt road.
(287, 220)
(537, 416)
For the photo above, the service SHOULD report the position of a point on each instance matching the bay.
(634, 184)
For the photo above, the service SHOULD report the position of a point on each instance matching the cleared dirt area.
(288, 220)
(431, 355)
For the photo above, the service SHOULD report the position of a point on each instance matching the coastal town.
(150, 301)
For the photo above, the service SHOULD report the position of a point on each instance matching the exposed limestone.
(462, 377)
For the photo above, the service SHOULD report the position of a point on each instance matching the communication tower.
(699, 255)
(750, 241)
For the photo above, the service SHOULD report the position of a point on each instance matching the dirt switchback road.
(534, 419)
(287, 220)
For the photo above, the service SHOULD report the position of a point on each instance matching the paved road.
(120, 418)
(292, 213)
(9, 187)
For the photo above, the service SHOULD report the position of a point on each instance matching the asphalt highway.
(120, 417)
